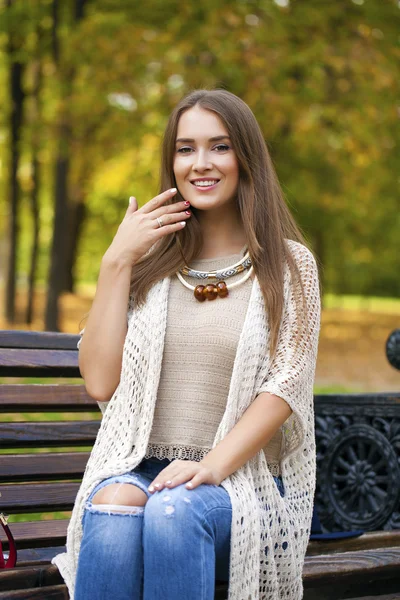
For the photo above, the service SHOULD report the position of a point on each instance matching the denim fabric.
(134, 555)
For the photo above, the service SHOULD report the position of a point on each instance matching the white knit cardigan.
(269, 534)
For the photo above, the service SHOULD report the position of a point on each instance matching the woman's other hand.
(139, 229)
(181, 471)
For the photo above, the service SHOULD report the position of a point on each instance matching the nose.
(201, 161)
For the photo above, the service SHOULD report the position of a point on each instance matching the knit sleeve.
(292, 371)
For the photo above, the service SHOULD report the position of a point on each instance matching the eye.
(221, 147)
(184, 150)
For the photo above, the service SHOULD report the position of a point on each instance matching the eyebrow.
(217, 138)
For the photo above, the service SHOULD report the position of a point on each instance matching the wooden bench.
(47, 481)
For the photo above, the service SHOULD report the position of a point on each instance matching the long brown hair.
(266, 218)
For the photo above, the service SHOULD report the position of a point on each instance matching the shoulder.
(302, 255)
(306, 265)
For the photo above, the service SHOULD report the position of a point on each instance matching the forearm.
(251, 433)
(100, 352)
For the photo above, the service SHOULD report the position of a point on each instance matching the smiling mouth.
(206, 183)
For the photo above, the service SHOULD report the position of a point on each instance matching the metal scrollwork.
(393, 349)
(360, 475)
(390, 429)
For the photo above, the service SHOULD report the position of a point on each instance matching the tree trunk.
(35, 187)
(58, 249)
(16, 116)
(77, 214)
(57, 280)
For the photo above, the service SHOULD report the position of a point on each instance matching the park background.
(86, 88)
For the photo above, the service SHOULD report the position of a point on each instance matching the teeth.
(205, 183)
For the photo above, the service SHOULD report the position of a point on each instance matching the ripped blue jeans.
(175, 546)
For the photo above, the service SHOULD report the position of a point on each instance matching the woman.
(204, 464)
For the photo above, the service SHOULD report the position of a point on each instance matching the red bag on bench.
(10, 561)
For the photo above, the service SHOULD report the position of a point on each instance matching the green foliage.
(321, 77)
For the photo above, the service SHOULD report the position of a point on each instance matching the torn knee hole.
(116, 508)
(120, 494)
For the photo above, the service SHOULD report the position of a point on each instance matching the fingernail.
(183, 222)
(169, 481)
(173, 190)
(189, 484)
(131, 200)
(157, 485)
(151, 488)
(187, 203)
(187, 212)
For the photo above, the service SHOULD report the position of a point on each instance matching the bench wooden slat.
(38, 339)
(36, 556)
(369, 540)
(38, 363)
(48, 433)
(54, 592)
(385, 597)
(40, 397)
(379, 562)
(48, 466)
(38, 497)
(349, 401)
(30, 577)
(380, 597)
(36, 534)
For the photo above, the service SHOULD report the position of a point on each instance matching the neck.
(223, 235)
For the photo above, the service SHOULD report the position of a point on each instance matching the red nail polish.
(187, 203)
(187, 212)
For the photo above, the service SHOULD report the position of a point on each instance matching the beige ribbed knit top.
(199, 351)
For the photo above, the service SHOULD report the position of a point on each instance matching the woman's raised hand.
(140, 229)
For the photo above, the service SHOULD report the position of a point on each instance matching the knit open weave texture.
(269, 533)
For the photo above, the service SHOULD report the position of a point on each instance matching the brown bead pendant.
(198, 293)
(211, 291)
(222, 289)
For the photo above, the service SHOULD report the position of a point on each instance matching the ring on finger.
(160, 222)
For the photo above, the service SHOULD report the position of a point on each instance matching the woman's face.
(205, 164)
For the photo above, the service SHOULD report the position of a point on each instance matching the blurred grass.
(335, 389)
(54, 416)
(45, 449)
(48, 516)
(375, 304)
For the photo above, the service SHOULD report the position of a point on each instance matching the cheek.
(232, 170)
(230, 167)
(178, 170)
